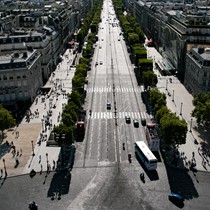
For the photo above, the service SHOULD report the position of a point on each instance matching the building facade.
(197, 72)
(20, 76)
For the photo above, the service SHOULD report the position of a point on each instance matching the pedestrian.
(1, 172)
(20, 151)
(193, 155)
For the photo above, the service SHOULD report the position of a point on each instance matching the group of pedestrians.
(205, 155)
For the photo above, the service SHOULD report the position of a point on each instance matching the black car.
(136, 123)
(108, 105)
(127, 119)
(143, 122)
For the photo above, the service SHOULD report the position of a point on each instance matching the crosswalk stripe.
(117, 89)
(132, 115)
(121, 115)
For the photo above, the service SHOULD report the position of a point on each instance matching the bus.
(146, 156)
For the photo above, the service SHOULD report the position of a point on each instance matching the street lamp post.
(191, 125)
(173, 96)
(181, 109)
(42, 125)
(166, 84)
(47, 157)
(32, 148)
(62, 152)
(4, 163)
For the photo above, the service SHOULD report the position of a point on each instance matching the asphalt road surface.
(102, 177)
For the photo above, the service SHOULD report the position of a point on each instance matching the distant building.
(174, 26)
(197, 71)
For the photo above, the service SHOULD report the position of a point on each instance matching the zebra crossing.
(117, 89)
(119, 115)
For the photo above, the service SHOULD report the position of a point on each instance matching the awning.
(71, 42)
(149, 41)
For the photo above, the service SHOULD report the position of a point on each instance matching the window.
(11, 77)
(24, 76)
(18, 77)
(204, 74)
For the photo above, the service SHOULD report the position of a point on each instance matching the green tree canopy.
(202, 108)
(161, 112)
(173, 129)
(150, 79)
(157, 98)
(64, 134)
(6, 120)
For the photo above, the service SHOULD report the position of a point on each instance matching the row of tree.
(135, 39)
(173, 130)
(73, 110)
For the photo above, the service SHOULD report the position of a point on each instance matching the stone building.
(197, 71)
(20, 77)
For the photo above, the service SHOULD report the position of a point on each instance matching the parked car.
(136, 123)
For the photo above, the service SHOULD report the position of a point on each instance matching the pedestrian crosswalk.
(117, 89)
(119, 115)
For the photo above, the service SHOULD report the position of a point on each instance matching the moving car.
(175, 198)
(143, 121)
(136, 123)
(108, 105)
(127, 119)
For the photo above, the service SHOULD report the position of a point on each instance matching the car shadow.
(178, 204)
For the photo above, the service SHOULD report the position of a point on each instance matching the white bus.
(146, 156)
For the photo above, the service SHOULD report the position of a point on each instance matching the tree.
(157, 98)
(173, 129)
(133, 38)
(64, 133)
(6, 120)
(161, 112)
(78, 81)
(150, 79)
(202, 108)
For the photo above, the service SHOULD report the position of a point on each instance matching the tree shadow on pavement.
(181, 182)
(59, 185)
(4, 148)
(203, 133)
(178, 175)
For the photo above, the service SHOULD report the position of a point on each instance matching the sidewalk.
(23, 135)
(179, 101)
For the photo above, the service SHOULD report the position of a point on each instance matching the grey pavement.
(179, 100)
(26, 136)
